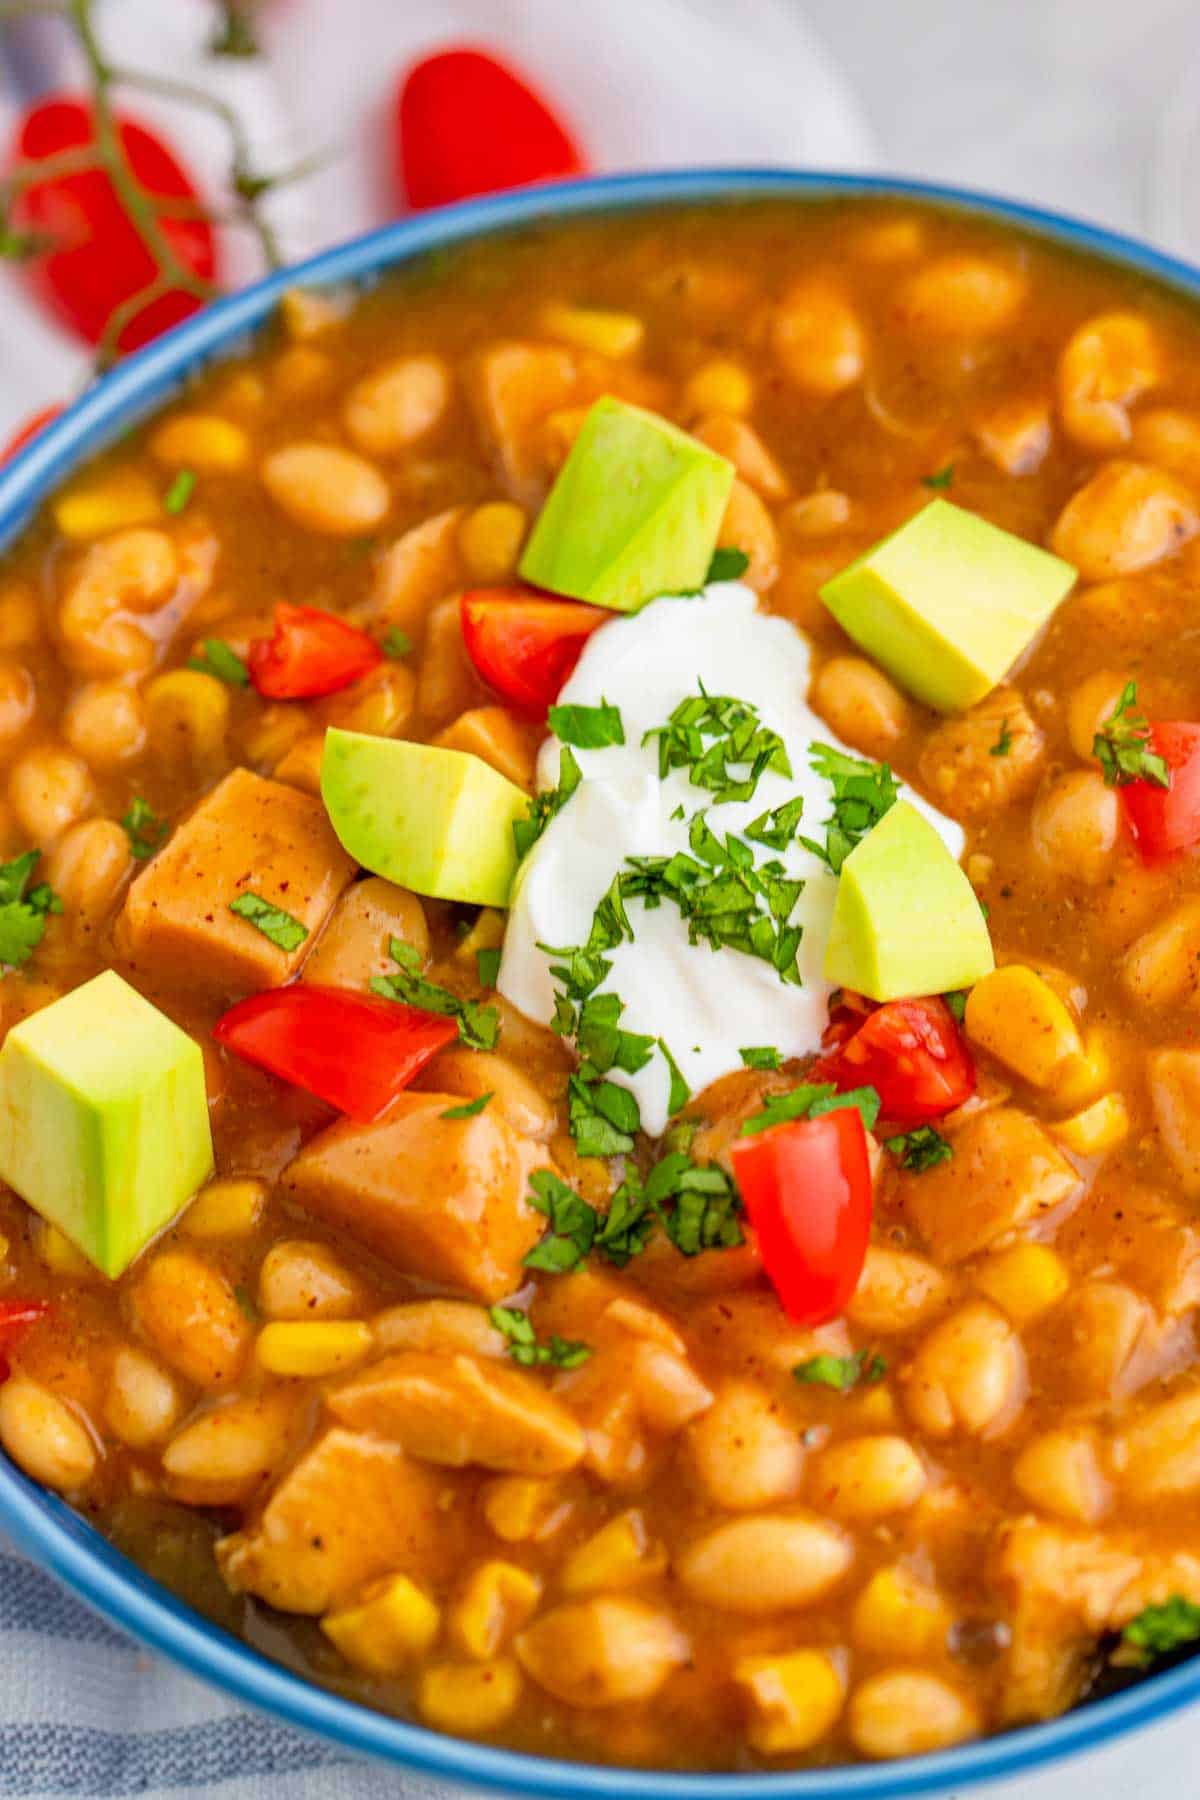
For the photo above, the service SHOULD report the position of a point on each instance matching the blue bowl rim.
(57, 1537)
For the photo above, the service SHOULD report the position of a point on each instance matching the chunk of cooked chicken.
(1175, 1096)
(453, 1410)
(1005, 1173)
(444, 1198)
(959, 769)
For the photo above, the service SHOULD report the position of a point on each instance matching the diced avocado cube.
(634, 513)
(434, 820)
(947, 603)
(905, 920)
(104, 1118)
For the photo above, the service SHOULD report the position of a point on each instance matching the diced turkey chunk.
(1005, 1173)
(354, 1507)
(249, 836)
(1175, 1095)
(514, 387)
(455, 1411)
(962, 767)
(441, 1198)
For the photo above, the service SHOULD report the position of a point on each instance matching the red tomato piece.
(355, 1051)
(1165, 821)
(524, 646)
(28, 431)
(312, 652)
(16, 1316)
(806, 1187)
(912, 1053)
(468, 124)
(96, 261)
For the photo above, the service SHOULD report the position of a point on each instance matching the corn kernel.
(620, 1554)
(1101, 1126)
(487, 933)
(1024, 1281)
(588, 328)
(524, 1509)
(469, 1698)
(380, 704)
(312, 1346)
(492, 733)
(898, 1615)
(109, 504)
(1082, 1077)
(201, 441)
(795, 1699)
(305, 313)
(563, 426)
(56, 1251)
(390, 1624)
(719, 386)
(490, 540)
(225, 1209)
(187, 716)
(271, 733)
(1017, 1016)
(497, 1600)
(301, 767)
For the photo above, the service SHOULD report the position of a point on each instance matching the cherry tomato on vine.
(26, 433)
(95, 260)
(467, 124)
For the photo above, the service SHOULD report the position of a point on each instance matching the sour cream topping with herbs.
(704, 1004)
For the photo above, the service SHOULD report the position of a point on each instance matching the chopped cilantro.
(841, 1372)
(235, 34)
(760, 1056)
(23, 910)
(396, 644)
(244, 1300)
(543, 807)
(522, 1344)
(180, 491)
(144, 828)
(810, 1101)
(487, 962)
(602, 1117)
(1003, 743)
(587, 727)
(469, 1109)
(573, 1225)
(601, 1041)
(680, 1092)
(696, 1205)
(219, 660)
(478, 1026)
(862, 793)
(727, 564)
(920, 1149)
(777, 829)
(956, 1002)
(739, 741)
(1158, 1630)
(1122, 746)
(278, 926)
(941, 478)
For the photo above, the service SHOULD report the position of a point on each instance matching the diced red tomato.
(16, 1316)
(28, 431)
(912, 1053)
(806, 1187)
(312, 652)
(469, 124)
(1165, 821)
(523, 646)
(355, 1051)
(95, 260)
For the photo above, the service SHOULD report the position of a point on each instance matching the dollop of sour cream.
(706, 1005)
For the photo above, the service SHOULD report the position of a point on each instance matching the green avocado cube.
(437, 821)
(104, 1119)
(906, 920)
(947, 603)
(634, 513)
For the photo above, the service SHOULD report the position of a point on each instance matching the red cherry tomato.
(912, 1053)
(16, 1316)
(96, 260)
(467, 124)
(311, 652)
(1166, 820)
(355, 1051)
(806, 1187)
(523, 646)
(29, 431)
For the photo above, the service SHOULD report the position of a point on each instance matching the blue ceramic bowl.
(60, 1540)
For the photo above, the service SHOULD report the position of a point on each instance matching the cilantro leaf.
(469, 1109)
(587, 727)
(478, 1026)
(776, 829)
(23, 910)
(727, 565)
(573, 1225)
(523, 1346)
(396, 643)
(862, 793)
(760, 1056)
(144, 828)
(544, 806)
(602, 1117)
(739, 742)
(1158, 1630)
(180, 491)
(1122, 746)
(841, 1372)
(680, 1092)
(219, 660)
(1003, 743)
(487, 963)
(279, 927)
(810, 1101)
(956, 1002)
(941, 478)
(920, 1149)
